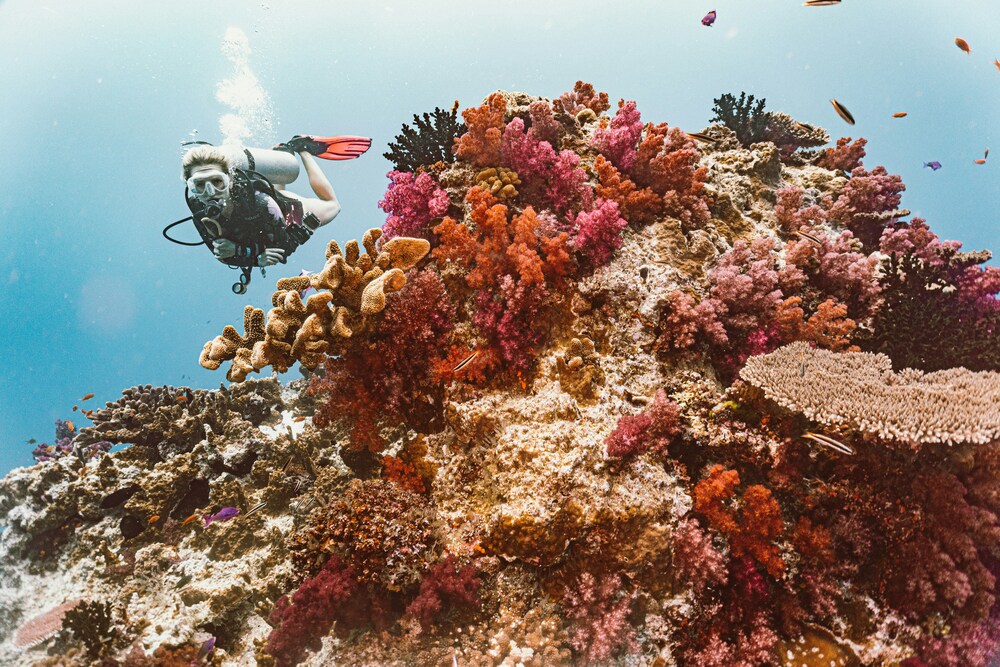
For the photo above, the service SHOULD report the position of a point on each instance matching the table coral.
(859, 390)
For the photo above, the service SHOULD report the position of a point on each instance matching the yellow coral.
(499, 182)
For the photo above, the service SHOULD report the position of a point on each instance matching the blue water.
(97, 96)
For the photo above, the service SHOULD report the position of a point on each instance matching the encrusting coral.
(593, 394)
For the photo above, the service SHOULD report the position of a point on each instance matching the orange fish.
(154, 518)
(87, 397)
(75, 408)
(962, 44)
(996, 63)
(901, 114)
(69, 423)
(188, 520)
(182, 398)
(842, 111)
(299, 418)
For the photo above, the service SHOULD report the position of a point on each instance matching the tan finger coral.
(860, 390)
(350, 288)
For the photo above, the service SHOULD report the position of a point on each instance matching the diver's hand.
(270, 257)
(223, 248)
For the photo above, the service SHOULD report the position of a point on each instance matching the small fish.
(189, 519)
(835, 445)
(154, 518)
(820, 3)
(962, 44)
(32, 441)
(182, 398)
(87, 397)
(996, 63)
(75, 408)
(700, 136)
(709, 19)
(935, 165)
(465, 362)
(979, 161)
(225, 514)
(842, 111)
(304, 273)
(900, 114)
(811, 238)
(299, 418)
(254, 508)
(70, 425)
(205, 650)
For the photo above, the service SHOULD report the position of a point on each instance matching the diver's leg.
(325, 211)
(326, 207)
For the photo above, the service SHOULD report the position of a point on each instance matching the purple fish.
(933, 165)
(225, 514)
(709, 19)
(206, 648)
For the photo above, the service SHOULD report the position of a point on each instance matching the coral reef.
(594, 394)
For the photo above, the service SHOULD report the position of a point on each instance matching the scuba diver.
(240, 207)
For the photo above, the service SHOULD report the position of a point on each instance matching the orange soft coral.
(639, 206)
(481, 144)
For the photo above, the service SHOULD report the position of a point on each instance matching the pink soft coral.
(867, 202)
(597, 611)
(598, 233)
(412, 203)
(550, 179)
(618, 142)
(845, 155)
(652, 429)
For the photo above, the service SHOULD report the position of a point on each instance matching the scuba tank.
(279, 167)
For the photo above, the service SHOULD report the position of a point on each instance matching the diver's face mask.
(209, 185)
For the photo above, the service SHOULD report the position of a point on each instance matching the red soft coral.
(666, 162)
(300, 623)
(446, 586)
(640, 206)
(696, 561)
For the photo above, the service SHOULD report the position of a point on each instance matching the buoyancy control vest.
(260, 218)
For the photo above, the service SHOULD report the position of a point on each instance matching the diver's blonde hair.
(202, 156)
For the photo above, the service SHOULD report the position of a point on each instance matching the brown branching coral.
(351, 287)
(860, 390)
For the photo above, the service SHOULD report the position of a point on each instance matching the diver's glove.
(223, 248)
(270, 257)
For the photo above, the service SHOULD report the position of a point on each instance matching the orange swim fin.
(329, 148)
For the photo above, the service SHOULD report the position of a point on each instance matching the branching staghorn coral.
(859, 390)
(351, 288)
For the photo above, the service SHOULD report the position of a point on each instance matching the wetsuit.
(260, 218)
